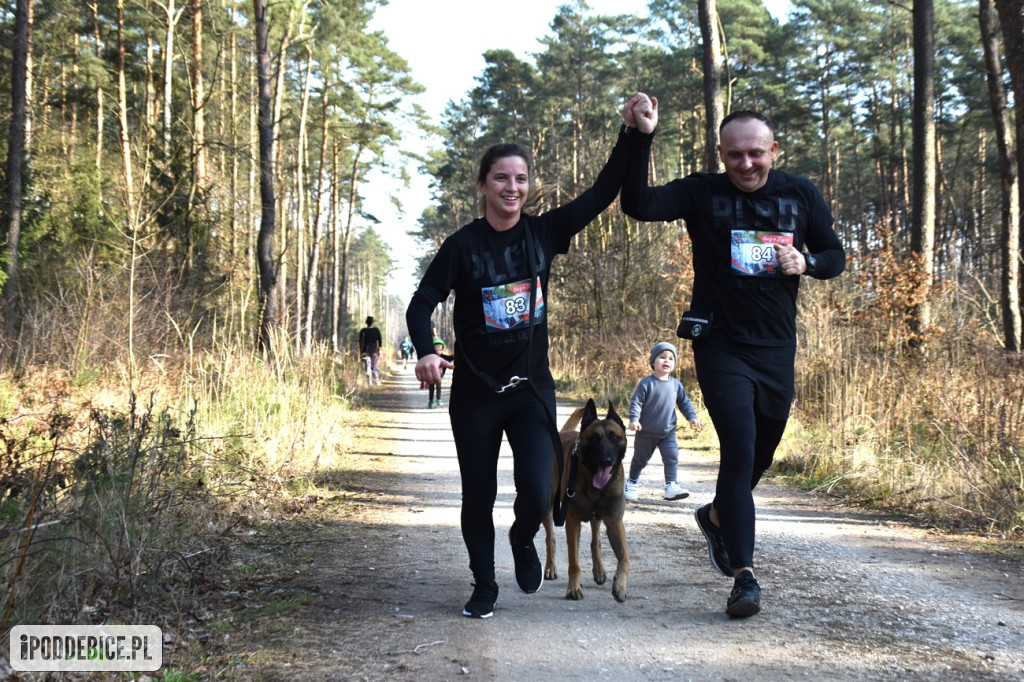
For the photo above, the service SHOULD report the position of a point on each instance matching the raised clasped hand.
(642, 112)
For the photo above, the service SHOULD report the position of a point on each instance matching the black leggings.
(477, 430)
(747, 391)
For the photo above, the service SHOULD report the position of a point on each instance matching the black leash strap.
(561, 509)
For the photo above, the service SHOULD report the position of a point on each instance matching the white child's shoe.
(632, 491)
(672, 491)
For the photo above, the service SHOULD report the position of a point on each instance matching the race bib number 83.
(507, 306)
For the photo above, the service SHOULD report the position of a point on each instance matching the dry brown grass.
(115, 503)
(934, 430)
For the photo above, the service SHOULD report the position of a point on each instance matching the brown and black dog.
(600, 481)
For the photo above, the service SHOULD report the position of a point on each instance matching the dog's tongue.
(601, 478)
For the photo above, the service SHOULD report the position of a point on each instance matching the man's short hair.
(743, 114)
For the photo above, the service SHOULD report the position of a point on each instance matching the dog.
(600, 446)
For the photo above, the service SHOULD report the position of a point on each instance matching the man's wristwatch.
(812, 263)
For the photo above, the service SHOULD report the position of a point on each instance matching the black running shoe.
(529, 576)
(716, 545)
(481, 604)
(745, 599)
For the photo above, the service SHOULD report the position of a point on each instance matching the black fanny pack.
(695, 325)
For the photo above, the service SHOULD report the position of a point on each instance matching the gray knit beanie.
(661, 348)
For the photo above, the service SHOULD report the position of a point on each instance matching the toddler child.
(652, 415)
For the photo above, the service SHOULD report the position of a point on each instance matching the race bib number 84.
(753, 252)
(507, 306)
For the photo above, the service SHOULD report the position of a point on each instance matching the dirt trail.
(846, 595)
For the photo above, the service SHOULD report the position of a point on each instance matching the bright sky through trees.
(443, 44)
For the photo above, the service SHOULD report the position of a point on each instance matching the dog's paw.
(575, 595)
(550, 573)
(620, 595)
(600, 576)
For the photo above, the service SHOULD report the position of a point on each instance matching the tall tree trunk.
(168, 112)
(265, 241)
(15, 151)
(150, 111)
(194, 225)
(251, 218)
(198, 95)
(860, 219)
(1009, 281)
(122, 116)
(1011, 15)
(233, 136)
(712, 59)
(346, 240)
(99, 104)
(279, 90)
(222, 105)
(73, 127)
(284, 210)
(29, 80)
(335, 252)
(300, 208)
(923, 198)
(318, 216)
(64, 108)
(129, 182)
(299, 223)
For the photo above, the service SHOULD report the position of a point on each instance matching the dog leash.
(559, 510)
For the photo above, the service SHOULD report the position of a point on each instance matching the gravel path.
(847, 595)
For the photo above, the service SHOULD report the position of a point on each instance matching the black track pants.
(747, 391)
(477, 430)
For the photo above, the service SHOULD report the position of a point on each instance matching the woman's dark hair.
(500, 151)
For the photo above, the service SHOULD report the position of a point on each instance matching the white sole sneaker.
(674, 492)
